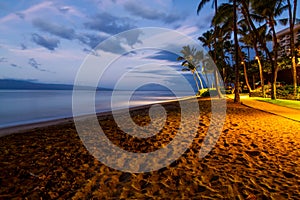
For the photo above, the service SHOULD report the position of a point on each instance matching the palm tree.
(191, 61)
(250, 40)
(227, 17)
(236, 46)
(200, 7)
(269, 10)
(203, 2)
(207, 39)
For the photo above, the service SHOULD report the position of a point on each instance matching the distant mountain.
(11, 84)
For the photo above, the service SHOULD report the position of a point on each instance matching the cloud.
(21, 15)
(3, 60)
(15, 65)
(90, 51)
(113, 45)
(23, 46)
(54, 29)
(108, 23)
(146, 12)
(34, 63)
(164, 55)
(91, 40)
(48, 43)
(64, 9)
(132, 37)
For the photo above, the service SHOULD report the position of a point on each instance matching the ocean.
(20, 107)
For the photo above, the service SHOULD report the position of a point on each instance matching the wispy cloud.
(108, 23)
(54, 29)
(150, 13)
(33, 63)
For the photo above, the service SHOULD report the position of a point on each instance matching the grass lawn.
(281, 102)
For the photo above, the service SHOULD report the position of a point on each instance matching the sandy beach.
(257, 156)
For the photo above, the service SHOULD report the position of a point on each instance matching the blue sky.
(47, 41)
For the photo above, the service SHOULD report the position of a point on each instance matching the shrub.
(208, 93)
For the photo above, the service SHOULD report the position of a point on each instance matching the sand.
(257, 156)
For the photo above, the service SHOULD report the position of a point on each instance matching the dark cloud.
(48, 43)
(108, 23)
(164, 55)
(54, 29)
(15, 65)
(150, 13)
(91, 40)
(34, 63)
(23, 46)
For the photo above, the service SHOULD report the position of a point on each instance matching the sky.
(49, 41)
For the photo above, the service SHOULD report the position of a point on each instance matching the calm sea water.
(18, 107)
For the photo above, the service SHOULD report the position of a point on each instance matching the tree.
(191, 61)
(227, 18)
(249, 38)
(269, 10)
(200, 7)
(236, 47)
(203, 2)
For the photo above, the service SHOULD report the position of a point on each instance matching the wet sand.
(257, 156)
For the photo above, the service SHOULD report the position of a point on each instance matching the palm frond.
(201, 5)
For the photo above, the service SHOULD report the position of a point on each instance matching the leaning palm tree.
(191, 62)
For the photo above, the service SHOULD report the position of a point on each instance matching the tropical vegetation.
(241, 26)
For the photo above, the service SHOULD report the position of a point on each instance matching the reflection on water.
(28, 106)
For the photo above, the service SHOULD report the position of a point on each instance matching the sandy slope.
(256, 157)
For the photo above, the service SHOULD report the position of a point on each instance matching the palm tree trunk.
(292, 18)
(236, 46)
(200, 80)
(217, 83)
(196, 83)
(274, 66)
(246, 78)
(245, 69)
(261, 74)
(262, 82)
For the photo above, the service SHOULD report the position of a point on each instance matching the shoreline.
(65, 120)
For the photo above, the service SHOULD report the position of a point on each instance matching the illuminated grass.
(281, 102)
